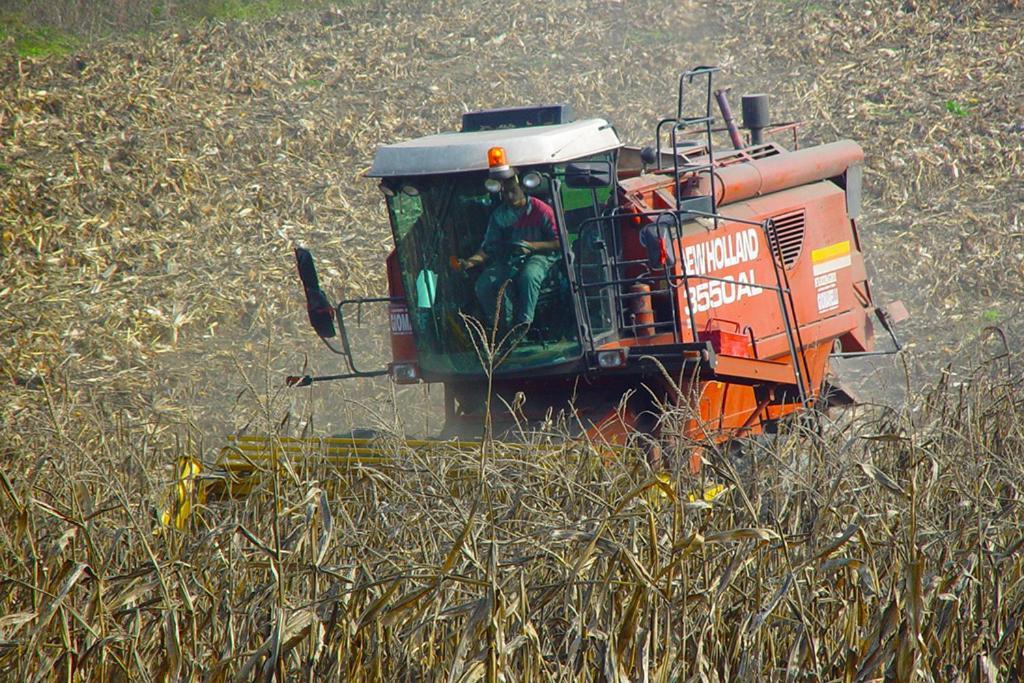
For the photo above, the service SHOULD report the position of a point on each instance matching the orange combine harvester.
(675, 280)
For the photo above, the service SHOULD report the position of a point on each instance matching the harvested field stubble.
(150, 192)
(933, 92)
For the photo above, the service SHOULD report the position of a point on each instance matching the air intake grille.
(788, 234)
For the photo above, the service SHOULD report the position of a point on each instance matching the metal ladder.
(706, 207)
(704, 124)
(683, 207)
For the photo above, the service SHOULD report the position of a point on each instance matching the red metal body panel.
(728, 270)
(403, 345)
(742, 253)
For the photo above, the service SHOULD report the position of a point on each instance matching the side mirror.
(318, 306)
(588, 174)
(649, 156)
(656, 238)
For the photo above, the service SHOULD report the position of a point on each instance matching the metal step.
(714, 366)
(752, 371)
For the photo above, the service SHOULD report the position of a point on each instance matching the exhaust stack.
(755, 116)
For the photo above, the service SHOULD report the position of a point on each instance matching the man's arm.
(541, 247)
(548, 224)
(481, 255)
(473, 261)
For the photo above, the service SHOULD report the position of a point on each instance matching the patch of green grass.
(250, 9)
(991, 316)
(957, 109)
(310, 83)
(650, 36)
(36, 41)
(52, 33)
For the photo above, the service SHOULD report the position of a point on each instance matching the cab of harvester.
(721, 282)
(441, 195)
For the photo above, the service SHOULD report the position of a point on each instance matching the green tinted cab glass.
(436, 218)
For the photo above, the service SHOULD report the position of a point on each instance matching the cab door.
(586, 199)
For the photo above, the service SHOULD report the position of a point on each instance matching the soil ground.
(153, 187)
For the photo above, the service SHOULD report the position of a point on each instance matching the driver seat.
(550, 321)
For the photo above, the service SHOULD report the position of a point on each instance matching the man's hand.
(462, 264)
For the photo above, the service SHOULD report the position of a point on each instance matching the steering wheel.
(521, 247)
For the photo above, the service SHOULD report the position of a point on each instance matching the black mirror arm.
(346, 347)
(307, 380)
(343, 331)
(333, 349)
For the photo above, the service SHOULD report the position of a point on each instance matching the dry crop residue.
(933, 93)
(150, 192)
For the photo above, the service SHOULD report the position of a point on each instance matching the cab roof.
(459, 152)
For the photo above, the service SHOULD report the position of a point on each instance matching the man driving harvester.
(520, 246)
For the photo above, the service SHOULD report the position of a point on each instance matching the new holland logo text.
(708, 257)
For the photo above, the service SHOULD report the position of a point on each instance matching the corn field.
(883, 544)
(151, 190)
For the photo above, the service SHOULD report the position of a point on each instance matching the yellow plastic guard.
(185, 492)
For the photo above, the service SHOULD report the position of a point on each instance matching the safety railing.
(679, 284)
(684, 208)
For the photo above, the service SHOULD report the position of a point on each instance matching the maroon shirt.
(535, 222)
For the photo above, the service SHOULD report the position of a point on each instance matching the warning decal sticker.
(831, 258)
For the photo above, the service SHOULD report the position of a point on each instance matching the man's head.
(512, 193)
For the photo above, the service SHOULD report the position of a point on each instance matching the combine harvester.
(677, 281)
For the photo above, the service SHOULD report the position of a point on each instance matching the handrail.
(787, 305)
(778, 263)
(784, 294)
(768, 225)
(691, 74)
